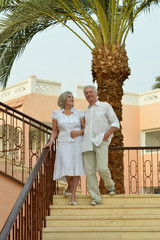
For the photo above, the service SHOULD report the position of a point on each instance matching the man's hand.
(108, 133)
(105, 138)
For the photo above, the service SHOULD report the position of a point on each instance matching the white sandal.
(73, 203)
(66, 194)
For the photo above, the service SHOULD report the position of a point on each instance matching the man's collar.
(96, 103)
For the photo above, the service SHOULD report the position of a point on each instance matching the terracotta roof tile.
(18, 102)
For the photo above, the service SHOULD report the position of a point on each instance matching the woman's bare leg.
(75, 181)
(69, 181)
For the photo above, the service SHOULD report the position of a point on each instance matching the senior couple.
(83, 140)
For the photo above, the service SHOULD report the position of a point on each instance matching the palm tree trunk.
(110, 70)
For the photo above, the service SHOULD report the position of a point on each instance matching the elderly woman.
(68, 124)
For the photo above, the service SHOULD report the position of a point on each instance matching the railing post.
(34, 213)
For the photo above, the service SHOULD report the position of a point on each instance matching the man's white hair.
(90, 86)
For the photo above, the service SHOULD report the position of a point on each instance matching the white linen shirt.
(99, 118)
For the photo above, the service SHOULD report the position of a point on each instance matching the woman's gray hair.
(62, 98)
(90, 86)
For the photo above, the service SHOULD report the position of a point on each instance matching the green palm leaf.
(157, 84)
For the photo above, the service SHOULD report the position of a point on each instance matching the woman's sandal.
(73, 203)
(66, 194)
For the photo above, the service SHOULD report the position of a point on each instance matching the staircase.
(119, 217)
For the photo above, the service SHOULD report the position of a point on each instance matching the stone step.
(118, 209)
(102, 221)
(106, 199)
(95, 238)
(121, 217)
(126, 233)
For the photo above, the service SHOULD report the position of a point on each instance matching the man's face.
(91, 95)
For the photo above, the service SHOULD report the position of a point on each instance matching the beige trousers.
(97, 160)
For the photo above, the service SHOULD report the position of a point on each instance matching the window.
(150, 138)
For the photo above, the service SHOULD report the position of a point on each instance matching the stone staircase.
(118, 217)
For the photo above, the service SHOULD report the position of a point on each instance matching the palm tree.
(157, 84)
(106, 24)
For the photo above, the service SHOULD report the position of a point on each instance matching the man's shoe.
(112, 192)
(94, 203)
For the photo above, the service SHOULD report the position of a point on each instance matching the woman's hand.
(49, 144)
(74, 133)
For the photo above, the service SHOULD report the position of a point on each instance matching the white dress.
(69, 161)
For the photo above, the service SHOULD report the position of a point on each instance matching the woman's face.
(69, 100)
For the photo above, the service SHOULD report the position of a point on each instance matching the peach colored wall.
(40, 107)
(9, 191)
(150, 116)
(80, 104)
(130, 125)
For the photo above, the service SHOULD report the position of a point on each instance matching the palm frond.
(157, 84)
(13, 42)
(139, 7)
(103, 22)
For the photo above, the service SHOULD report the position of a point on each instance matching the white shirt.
(99, 118)
(68, 123)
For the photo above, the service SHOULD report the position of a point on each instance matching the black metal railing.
(21, 142)
(28, 215)
(141, 169)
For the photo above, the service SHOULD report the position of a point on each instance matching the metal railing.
(28, 215)
(141, 169)
(21, 142)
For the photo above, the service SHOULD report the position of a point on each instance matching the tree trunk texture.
(110, 69)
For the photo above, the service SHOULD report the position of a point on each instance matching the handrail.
(134, 148)
(20, 205)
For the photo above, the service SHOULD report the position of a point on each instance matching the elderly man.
(100, 124)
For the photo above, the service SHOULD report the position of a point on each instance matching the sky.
(58, 55)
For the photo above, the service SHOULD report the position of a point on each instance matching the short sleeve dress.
(69, 161)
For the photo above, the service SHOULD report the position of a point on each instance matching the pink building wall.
(150, 116)
(130, 125)
(9, 192)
